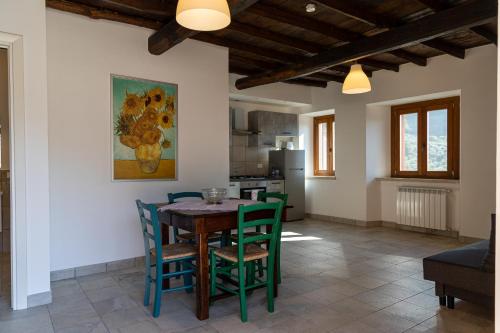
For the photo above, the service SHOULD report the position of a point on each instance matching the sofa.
(467, 273)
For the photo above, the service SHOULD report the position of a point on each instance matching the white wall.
(4, 110)
(474, 78)
(27, 19)
(90, 215)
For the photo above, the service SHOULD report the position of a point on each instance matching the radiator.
(422, 207)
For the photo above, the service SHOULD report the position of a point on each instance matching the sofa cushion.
(470, 256)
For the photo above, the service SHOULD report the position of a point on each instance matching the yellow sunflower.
(132, 106)
(166, 119)
(155, 98)
(151, 114)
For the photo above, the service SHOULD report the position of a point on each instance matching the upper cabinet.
(269, 125)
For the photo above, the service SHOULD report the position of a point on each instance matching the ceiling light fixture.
(203, 15)
(356, 82)
(310, 8)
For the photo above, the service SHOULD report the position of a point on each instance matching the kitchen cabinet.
(234, 190)
(269, 125)
(275, 186)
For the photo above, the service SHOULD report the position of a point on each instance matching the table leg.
(165, 240)
(202, 285)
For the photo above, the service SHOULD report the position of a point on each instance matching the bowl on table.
(214, 195)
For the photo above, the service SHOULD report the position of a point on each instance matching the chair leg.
(213, 273)
(450, 302)
(188, 277)
(147, 289)
(442, 300)
(278, 254)
(243, 294)
(158, 291)
(270, 285)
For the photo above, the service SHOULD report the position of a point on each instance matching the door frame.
(18, 228)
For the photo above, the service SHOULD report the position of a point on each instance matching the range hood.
(237, 120)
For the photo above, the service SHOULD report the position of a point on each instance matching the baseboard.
(386, 224)
(359, 223)
(71, 273)
(39, 299)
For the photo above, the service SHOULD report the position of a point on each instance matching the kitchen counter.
(255, 179)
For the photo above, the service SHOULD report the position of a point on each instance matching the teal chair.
(158, 255)
(243, 256)
(264, 196)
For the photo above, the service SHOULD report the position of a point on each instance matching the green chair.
(264, 196)
(244, 255)
(158, 255)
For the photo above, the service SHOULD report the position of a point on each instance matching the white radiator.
(422, 207)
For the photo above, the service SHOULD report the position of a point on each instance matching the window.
(324, 145)
(425, 139)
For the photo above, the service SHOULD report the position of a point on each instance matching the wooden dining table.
(202, 222)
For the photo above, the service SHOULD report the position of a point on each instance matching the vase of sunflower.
(141, 125)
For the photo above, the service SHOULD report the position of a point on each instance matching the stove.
(243, 178)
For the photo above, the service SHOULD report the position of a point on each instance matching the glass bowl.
(214, 195)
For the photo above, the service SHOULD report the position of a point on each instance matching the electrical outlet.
(260, 165)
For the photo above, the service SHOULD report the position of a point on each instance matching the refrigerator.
(291, 165)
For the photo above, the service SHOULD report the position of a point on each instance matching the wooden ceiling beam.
(303, 82)
(172, 33)
(381, 21)
(411, 57)
(441, 45)
(438, 5)
(426, 28)
(98, 13)
(264, 65)
(154, 9)
(486, 33)
(379, 64)
(296, 43)
(326, 29)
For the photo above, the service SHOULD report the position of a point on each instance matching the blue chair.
(158, 255)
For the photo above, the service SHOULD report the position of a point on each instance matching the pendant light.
(356, 82)
(203, 15)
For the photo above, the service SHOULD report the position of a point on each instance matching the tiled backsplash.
(246, 160)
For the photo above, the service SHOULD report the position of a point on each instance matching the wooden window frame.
(329, 120)
(452, 104)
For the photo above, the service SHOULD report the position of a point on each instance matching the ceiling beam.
(154, 9)
(438, 5)
(173, 33)
(379, 64)
(426, 28)
(326, 29)
(264, 65)
(381, 21)
(303, 82)
(486, 33)
(98, 13)
(296, 43)
(411, 57)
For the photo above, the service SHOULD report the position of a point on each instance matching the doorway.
(5, 244)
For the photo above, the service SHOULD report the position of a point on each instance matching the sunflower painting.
(144, 129)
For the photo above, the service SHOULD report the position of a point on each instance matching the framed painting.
(144, 120)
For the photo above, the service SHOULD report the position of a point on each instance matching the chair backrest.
(263, 196)
(151, 230)
(172, 197)
(258, 215)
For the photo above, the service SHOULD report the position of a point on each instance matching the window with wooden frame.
(425, 139)
(324, 145)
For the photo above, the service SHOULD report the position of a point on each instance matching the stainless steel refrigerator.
(290, 164)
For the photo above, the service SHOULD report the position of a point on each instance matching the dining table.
(203, 219)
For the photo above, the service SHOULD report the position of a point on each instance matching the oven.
(249, 190)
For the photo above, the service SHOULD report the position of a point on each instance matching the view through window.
(324, 145)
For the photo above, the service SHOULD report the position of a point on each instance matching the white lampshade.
(356, 82)
(203, 15)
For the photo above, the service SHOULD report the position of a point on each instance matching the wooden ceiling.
(278, 41)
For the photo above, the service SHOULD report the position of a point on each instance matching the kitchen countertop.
(257, 179)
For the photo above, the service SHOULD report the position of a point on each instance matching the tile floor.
(336, 278)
